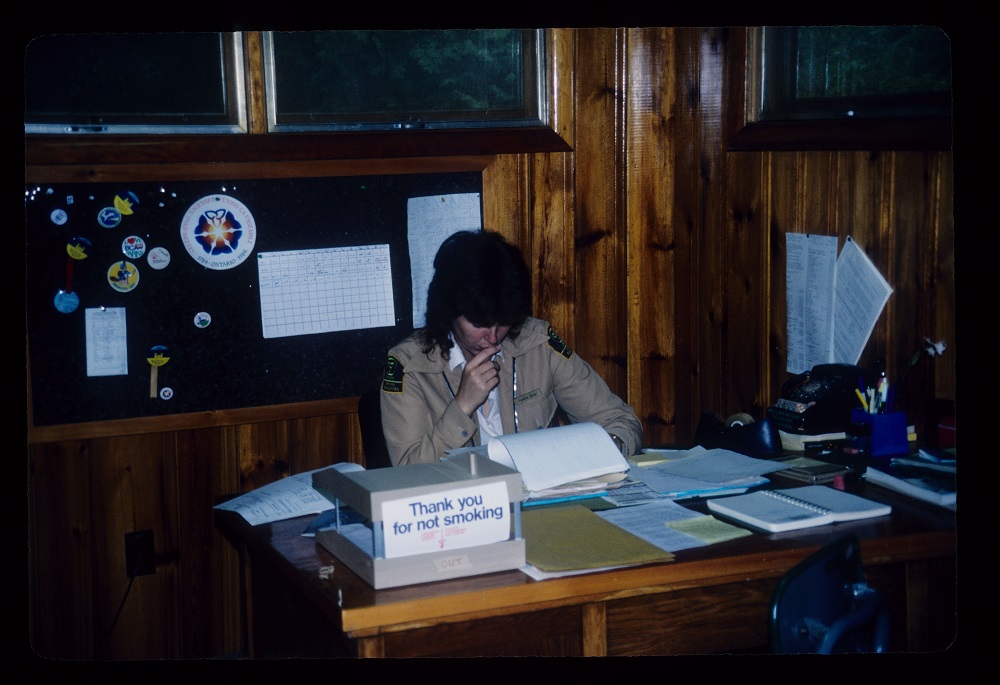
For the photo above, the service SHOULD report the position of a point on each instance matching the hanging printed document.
(833, 302)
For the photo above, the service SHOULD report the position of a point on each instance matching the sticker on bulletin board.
(133, 247)
(125, 202)
(109, 217)
(123, 276)
(66, 302)
(59, 216)
(218, 232)
(158, 258)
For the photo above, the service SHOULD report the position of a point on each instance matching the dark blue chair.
(824, 605)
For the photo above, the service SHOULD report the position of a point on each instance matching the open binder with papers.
(559, 462)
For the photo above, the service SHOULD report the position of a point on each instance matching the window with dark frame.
(183, 83)
(840, 88)
(861, 72)
(404, 79)
(134, 83)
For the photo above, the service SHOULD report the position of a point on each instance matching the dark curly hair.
(480, 276)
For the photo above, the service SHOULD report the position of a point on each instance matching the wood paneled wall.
(656, 252)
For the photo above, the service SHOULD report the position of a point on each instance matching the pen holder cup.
(888, 431)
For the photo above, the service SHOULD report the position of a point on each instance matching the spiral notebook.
(776, 511)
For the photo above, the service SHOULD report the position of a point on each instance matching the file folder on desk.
(426, 522)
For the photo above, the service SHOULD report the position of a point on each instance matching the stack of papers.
(286, 498)
(928, 477)
(572, 537)
(580, 489)
(706, 473)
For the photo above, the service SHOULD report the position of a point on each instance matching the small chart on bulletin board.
(145, 299)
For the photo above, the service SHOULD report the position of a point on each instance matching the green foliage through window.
(856, 71)
(403, 78)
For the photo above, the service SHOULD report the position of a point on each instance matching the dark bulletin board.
(227, 364)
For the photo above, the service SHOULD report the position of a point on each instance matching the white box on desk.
(382, 497)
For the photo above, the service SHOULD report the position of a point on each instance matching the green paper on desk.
(709, 529)
(565, 538)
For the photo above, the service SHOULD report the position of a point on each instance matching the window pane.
(403, 79)
(849, 61)
(856, 71)
(101, 82)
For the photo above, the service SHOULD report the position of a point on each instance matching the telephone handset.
(820, 400)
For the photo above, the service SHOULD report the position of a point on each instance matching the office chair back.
(824, 605)
(372, 437)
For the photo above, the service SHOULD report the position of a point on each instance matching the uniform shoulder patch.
(557, 344)
(392, 375)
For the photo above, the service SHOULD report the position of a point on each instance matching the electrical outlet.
(140, 557)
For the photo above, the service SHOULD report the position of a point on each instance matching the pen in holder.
(888, 431)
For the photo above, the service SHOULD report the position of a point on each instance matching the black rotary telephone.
(820, 400)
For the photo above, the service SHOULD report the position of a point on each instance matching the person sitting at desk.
(483, 366)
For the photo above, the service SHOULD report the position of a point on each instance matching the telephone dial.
(820, 400)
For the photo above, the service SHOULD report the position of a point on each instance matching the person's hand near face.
(481, 373)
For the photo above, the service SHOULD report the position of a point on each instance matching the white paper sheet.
(833, 302)
(811, 279)
(861, 295)
(429, 221)
(649, 523)
(284, 499)
(556, 456)
(446, 520)
(324, 290)
(720, 466)
(107, 341)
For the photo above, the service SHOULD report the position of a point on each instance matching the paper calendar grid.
(324, 290)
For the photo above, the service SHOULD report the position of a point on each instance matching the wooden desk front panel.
(711, 599)
(702, 620)
(549, 632)
(921, 594)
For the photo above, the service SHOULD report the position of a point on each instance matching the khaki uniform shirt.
(421, 420)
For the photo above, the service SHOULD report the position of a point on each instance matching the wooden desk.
(708, 600)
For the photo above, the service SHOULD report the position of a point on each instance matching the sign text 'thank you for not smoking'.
(446, 520)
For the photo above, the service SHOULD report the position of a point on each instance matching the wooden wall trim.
(548, 213)
(51, 150)
(598, 249)
(175, 422)
(651, 238)
(200, 171)
(253, 62)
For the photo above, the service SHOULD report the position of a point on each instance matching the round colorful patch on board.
(134, 247)
(166, 393)
(109, 217)
(59, 217)
(218, 232)
(158, 355)
(125, 202)
(123, 276)
(158, 258)
(66, 302)
(78, 248)
(202, 319)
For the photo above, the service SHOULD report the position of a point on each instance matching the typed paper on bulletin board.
(430, 221)
(833, 302)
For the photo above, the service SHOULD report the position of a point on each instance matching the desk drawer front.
(722, 618)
